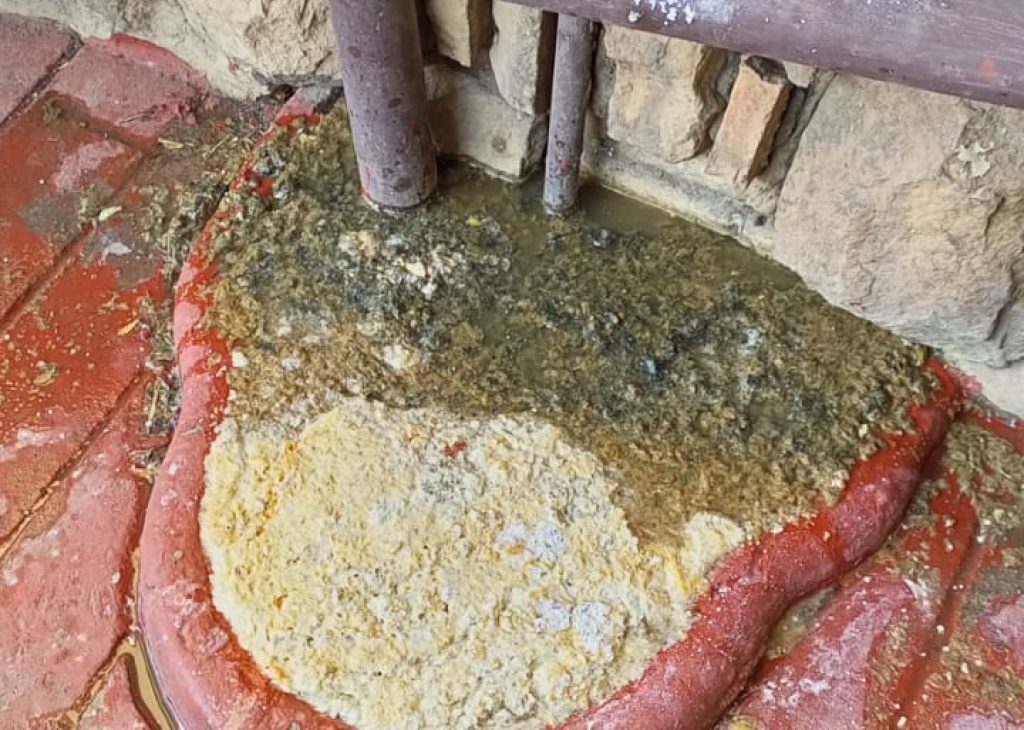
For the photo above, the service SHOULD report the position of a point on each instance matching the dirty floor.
(114, 155)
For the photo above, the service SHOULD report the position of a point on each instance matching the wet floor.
(708, 376)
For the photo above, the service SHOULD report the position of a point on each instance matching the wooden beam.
(970, 48)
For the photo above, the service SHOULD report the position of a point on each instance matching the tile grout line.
(60, 263)
(120, 404)
(948, 615)
(44, 81)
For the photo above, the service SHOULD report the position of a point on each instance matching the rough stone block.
(663, 99)
(756, 106)
(462, 28)
(907, 208)
(470, 120)
(521, 55)
(31, 48)
(1003, 387)
(798, 74)
(278, 39)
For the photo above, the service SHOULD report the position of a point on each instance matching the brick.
(470, 120)
(521, 55)
(663, 100)
(756, 106)
(52, 165)
(31, 48)
(133, 86)
(798, 74)
(113, 706)
(462, 28)
(66, 361)
(65, 581)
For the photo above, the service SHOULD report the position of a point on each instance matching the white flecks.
(919, 590)
(398, 357)
(691, 11)
(812, 686)
(590, 622)
(25, 438)
(291, 364)
(115, 578)
(546, 542)
(975, 158)
(115, 248)
(238, 359)
(553, 616)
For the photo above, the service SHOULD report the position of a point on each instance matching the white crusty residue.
(690, 11)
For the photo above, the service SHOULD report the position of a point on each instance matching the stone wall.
(902, 206)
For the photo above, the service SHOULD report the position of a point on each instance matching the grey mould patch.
(136, 15)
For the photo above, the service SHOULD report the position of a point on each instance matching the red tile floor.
(100, 142)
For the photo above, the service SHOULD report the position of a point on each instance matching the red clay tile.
(925, 635)
(51, 165)
(113, 706)
(133, 86)
(67, 359)
(31, 49)
(65, 580)
(854, 669)
(975, 680)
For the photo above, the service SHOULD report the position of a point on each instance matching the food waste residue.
(480, 463)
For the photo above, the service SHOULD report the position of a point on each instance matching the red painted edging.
(690, 685)
(210, 681)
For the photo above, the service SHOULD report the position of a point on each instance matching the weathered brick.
(663, 100)
(51, 166)
(521, 55)
(65, 581)
(31, 48)
(470, 120)
(756, 106)
(462, 28)
(66, 360)
(132, 85)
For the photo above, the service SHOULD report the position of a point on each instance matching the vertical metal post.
(382, 70)
(570, 96)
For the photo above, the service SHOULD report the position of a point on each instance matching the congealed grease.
(397, 582)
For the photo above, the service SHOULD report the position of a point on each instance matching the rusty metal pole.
(382, 71)
(570, 96)
(970, 48)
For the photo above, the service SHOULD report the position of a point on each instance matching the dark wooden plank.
(970, 48)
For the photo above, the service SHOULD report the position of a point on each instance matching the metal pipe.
(382, 71)
(971, 48)
(570, 96)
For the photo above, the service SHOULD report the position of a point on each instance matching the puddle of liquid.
(148, 700)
